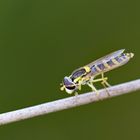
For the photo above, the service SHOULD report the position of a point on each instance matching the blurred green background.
(42, 41)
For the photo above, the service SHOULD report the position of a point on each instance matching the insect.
(87, 74)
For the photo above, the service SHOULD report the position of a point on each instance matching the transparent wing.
(106, 58)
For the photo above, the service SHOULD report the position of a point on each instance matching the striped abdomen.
(112, 63)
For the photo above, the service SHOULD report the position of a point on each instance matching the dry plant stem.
(69, 102)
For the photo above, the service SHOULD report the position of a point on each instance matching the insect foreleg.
(80, 84)
(80, 87)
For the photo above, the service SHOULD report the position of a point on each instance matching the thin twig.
(67, 103)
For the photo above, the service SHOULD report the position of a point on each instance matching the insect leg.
(62, 88)
(104, 80)
(99, 80)
(76, 93)
(105, 83)
(90, 84)
(80, 84)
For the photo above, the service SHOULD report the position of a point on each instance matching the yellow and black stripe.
(111, 64)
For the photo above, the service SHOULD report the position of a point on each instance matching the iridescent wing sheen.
(106, 58)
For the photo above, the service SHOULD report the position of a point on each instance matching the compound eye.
(67, 81)
(69, 84)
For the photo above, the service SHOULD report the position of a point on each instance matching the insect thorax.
(78, 75)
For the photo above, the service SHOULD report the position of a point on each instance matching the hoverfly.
(86, 75)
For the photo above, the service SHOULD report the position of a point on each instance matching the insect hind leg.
(104, 80)
(105, 83)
